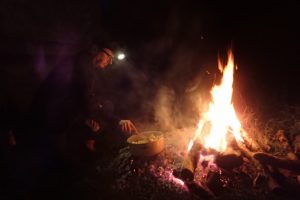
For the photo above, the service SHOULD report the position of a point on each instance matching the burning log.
(189, 164)
(229, 161)
(251, 143)
(186, 173)
(260, 175)
(266, 159)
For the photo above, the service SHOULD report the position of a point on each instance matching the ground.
(124, 176)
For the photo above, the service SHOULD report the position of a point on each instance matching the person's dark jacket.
(72, 89)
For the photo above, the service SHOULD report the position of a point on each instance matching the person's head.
(103, 58)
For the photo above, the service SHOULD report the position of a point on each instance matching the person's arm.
(93, 130)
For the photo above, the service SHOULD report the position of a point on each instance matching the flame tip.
(221, 113)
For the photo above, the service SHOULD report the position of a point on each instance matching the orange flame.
(221, 114)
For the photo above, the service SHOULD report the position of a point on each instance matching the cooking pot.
(147, 143)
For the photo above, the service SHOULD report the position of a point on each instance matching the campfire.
(219, 121)
(220, 155)
(220, 144)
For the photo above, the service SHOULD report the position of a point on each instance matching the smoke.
(166, 85)
(174, 111)
(178, 67)
(175, 97)
(165, 108)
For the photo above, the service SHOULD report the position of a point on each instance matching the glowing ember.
(208, 158)
(178, 181)
(221, 114)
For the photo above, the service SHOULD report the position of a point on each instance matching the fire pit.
(220, 158)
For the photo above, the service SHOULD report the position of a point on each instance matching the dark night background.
(166, 40)
(167, 43)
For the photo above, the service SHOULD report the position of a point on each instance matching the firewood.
(186, 171)
(272, 180)
(259, 180)
(250, 143)
(199, 191)
(189, 164)
(214, 183)
(281, 185)
(229, 161)
(266, 159)
(248, 154)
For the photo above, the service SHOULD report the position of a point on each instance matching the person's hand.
(93, 125)
(127, 126)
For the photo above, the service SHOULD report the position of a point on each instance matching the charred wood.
(189, 164)
(186, 172)
(214, 182)
(229, 161)
(249, 155)
(266, 159)
(199, 191)
(259, 180)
